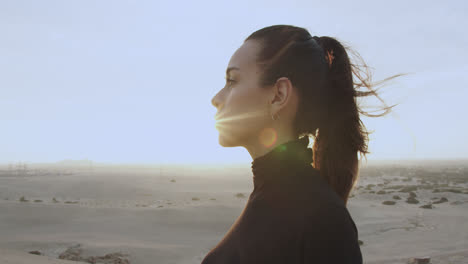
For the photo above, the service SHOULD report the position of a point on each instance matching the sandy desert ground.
(139, 215)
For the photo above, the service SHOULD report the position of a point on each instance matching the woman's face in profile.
(242, 104)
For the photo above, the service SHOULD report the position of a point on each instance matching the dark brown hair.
(321, 71)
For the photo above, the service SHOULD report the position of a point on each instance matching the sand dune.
(178, 216)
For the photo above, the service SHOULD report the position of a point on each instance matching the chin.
(225, 141)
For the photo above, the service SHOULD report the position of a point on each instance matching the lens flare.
(243, 116)
(223, 122)
(268, 137)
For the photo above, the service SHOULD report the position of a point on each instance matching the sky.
(132, 81)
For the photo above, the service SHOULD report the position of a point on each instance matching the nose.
(214, 102)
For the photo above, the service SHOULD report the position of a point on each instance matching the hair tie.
(330, 57)
(328, 53)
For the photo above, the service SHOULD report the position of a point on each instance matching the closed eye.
(229, 80)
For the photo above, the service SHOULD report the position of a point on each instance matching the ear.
(282, 93)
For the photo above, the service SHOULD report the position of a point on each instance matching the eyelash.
(229, 80)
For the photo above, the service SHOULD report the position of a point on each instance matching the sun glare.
(268, 137)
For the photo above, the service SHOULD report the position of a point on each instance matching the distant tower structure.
(18, 168)
(25, 169)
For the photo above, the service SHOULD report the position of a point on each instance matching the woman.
(283, 85)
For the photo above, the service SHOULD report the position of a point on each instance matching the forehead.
(244, 57)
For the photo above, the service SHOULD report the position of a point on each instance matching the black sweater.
(292, 216)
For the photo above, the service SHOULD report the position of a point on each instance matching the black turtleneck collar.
(282, 160)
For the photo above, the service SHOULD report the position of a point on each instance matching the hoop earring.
(274, 118)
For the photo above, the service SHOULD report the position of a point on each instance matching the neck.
(261, 144)
(283, 160)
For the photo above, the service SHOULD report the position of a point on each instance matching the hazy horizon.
(81, 162)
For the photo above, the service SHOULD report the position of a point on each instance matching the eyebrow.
(231, 68)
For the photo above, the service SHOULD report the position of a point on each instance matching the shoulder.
(318, 192)
(331, 236)
(330, 219)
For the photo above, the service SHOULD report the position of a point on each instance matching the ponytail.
(340, 137)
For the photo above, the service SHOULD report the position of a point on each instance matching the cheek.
(244, 101)
(247, 109)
